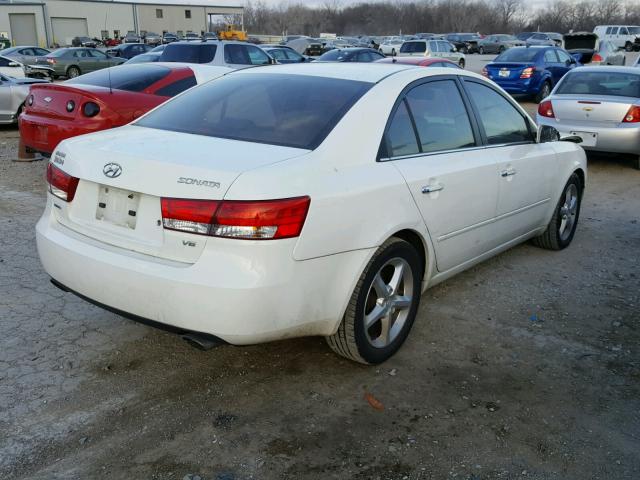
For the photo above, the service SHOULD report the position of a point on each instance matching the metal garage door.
(23, 28)
(64, 29)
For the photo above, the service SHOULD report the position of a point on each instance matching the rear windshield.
(132, 78)
(335, 55)
(617, 84)
(601, 83)
(194, 53)
(290, 110)
(518, 55)
(413, 47)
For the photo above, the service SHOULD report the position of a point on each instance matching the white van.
(622, 36)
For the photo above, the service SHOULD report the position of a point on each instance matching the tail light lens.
(61, 184)
(546, 109)
(248, 220)
(90, 109)
(633, 115)
(596, 57)
(528, 72)
(485, 72)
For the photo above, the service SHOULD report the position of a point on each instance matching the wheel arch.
(582, 177)
(423, 246)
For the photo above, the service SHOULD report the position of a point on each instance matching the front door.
(526, 169)
(434, 143)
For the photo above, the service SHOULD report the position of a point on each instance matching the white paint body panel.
(253, 291)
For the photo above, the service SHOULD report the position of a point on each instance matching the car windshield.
(413, 47)
(335, 56)
(59, 53)
(634, 30)
(189, 53)
(124, 77)
(617, 84)
(290, 110)
(518, 55)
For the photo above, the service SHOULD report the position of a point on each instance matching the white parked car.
(622, 36)
(11, 67)
(259, 206)
(391, 45)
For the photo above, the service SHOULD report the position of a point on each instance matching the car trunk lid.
(592, 108)
(580, 41)
(125, 172)
(52, 100)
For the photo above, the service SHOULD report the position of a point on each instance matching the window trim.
(383, 150)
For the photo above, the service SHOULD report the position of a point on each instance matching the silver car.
(601, 105)
(13, 92)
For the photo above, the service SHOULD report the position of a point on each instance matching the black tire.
(545, 91)
(554, 238)
(635, 162)
(461, 63)
(628, 47)
(465, 50)
(352, 340)
(73, 72)
(393, 52)
(624, 61)
(481, 50)
(501, 49)
(20, 110)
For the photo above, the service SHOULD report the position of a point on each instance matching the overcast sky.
(347, 2)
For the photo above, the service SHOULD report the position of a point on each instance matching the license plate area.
(117, 207)
(504, 73)
(589, 139)
(40, 134)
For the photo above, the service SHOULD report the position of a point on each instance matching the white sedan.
(391, 46)
(259, 206)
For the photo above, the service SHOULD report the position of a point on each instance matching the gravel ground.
(526, 366)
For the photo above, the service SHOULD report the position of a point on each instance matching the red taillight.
(254, 220)
(528, 72)
(633, 115)
(61, 184)
(485, 72)
(596, 57)
(546, 109)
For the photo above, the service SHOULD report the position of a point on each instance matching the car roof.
(415, 60)
(609, 69)
(371, 72)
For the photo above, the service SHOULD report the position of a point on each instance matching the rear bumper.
(239, 291)
(614, 139)
(523, 87)
(43, 134)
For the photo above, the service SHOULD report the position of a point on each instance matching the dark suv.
(129, 50)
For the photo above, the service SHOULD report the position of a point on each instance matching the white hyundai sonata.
(304, 200)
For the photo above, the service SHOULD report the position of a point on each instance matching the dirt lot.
(527, 366)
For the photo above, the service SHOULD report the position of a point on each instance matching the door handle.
(508, 172)
(432, 188)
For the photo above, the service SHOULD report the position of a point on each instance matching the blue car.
(531, 70)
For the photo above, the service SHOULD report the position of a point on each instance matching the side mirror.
(547, 133)
(453, 49)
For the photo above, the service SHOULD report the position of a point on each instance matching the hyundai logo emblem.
(112, 170)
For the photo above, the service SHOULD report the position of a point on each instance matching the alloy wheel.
(388, 302)
(568, 212)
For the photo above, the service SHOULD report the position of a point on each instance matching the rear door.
(434, 143)
(552, 64)
(526, 169)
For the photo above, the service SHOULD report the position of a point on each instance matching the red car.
(102, 99)
(421, 61)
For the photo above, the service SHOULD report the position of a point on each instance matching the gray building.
(48, 22)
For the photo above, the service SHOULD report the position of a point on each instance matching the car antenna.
(108, 68)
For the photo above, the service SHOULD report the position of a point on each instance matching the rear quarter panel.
(571, 157)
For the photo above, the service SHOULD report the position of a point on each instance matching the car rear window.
(617, 84)
(189, 53)
(518, 55)
(336, 55)
(290, 110)
(132, 78)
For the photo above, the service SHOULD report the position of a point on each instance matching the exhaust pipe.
(202, 341)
